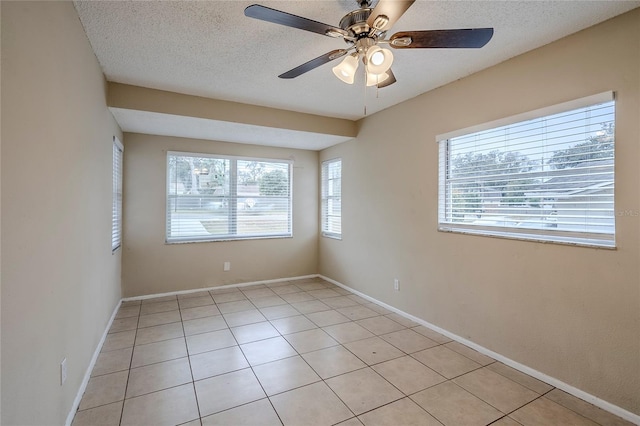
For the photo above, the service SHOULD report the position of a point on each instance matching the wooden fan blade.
(389, 81)
(283, 18)
(391, 9)
(314, 63)
(442, 39)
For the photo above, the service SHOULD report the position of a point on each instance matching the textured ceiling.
(210, 49)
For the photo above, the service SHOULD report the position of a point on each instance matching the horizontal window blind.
(332, 198)
(116, 212)
(549, 178)
(212, 198)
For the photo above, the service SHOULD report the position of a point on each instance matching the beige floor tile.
(310, 340)
(324, 293)
(472, 354)
(159, 299)
(203, 293)
(408, 375)
(351, 422)
(505, 421)
(194, 302)
(310, 306)
(121, 340)
(401, 320)
(544, 412)
(105, 415)
(445, 361)
(159, 319)
(224, 289)
(199, 312)
(238, 306)
(258, 413)
(340, 302)
(112, 361)
(123, 324)
(348, 332)
(519, 377)
(254, 332)
(333, 361)
(433, 335)
(454, 406)
(373, 350)
(403, 412)
(253, 293)
(130, 303)
(504, 394)
(280, 311)
(204, 325)
(293, 324)
(301, 296)
(409, 341)
(342, 291)
(226, 391)
(159, 332)
(380, 325)
(237, 319)
(359, 299)
(310, 286)
(267, 350)
(325, 318)
(102, 390)
(379, 309)
(155, 377)
(286, 289)
(128, 311)
(585, 409)
(167, 407)
(195, 422)
(229, 296)
(154, 308)
(205, 342)
(158, 352)
(285, 374)
(357, 311)
(316, 401)
(264, 302)
(363, 390)
(214, 363)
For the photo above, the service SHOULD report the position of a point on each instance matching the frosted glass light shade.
(378, 60)
(346, 70)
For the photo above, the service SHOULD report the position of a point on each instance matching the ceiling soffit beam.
(138, 98)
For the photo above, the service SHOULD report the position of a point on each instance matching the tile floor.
(304, 352)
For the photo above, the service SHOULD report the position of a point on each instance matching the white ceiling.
(210, 49)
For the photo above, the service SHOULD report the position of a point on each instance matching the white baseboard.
(197, 290)
(87, 374)
(607, 406)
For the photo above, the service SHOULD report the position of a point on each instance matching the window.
(546, 175)
(116, 212)
(331, 198)
(214, 198)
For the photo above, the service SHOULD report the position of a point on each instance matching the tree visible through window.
(549, 178)
(213, 198)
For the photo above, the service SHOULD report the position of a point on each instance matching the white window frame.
(328, 196)
(233, 199)
(116, 210)
(446, 222)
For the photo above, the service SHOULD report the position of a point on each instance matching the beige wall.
(60, 282)
(570, 312)
(151, 266)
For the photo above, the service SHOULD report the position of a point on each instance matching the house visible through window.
(548, 176)
(331, 198)
(212, 198)
(116, 213)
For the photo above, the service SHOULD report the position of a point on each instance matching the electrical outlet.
(63, 371)
(227, 266)
(396, 284)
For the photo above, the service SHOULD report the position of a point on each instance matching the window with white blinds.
(216, 198)
(116, 213)
(332, 198)
(546, 175)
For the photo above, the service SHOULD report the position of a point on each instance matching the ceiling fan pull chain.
(365, 96)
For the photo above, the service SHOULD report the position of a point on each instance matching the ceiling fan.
(364, 30)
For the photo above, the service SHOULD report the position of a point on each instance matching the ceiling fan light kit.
(363, 30)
